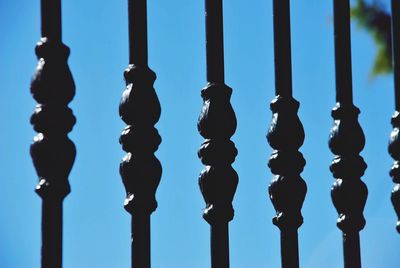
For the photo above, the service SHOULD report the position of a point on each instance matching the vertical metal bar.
(138, 52)
(51, 19)
(52, 233)
(351, 249)
(343, 52)
(217, 124)
(220, 245)
(141, 241)
(53, 88)
(282, 48)
(214, 41)
(286, 135)
(289, 249)
(349, 193)
(394, 143)
(140, 110)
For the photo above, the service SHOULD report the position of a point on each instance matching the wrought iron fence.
(53, 88)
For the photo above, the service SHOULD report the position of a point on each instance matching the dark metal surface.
(286, 135)
(137, 15)
(53, 153)
(289, 248)
(344, 93)
(396, 49)
(52, 213)
(282, 48)
(140, 110)
(141, 240)
(214, 41)
(217, 124)
(51, 19)
(349, 193)
(220, 245)
(394, 143)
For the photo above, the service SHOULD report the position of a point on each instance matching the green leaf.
(373, 18)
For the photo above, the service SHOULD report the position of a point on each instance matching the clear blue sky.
(96, 227)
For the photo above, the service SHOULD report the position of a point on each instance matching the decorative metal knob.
(287, 190)
(218, 181)
(53, 153)
(140, 169)
(394, 150)
(349, 193)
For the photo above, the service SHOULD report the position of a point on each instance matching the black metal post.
(138, 52)
(344, 93)
(53, 153)
(349, 193)
(289, 248)
(351, 249)
(217, 124)
(51, 19)
(282, 48)
(141, 240)
(220, 245)
(286, 135)
(215, 41)
(140, 110)
(394, 143)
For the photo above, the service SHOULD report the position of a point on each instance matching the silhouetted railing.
(217, 124)
(140, 110)
(53, 88)
(286, 135)
(346, 141)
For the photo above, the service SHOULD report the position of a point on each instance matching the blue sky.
(96, 227)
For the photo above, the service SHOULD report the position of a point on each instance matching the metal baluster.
(349, 193)
(140, 110)
(217, 124)
(53, 153)
(286, 135)
(394, 143)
